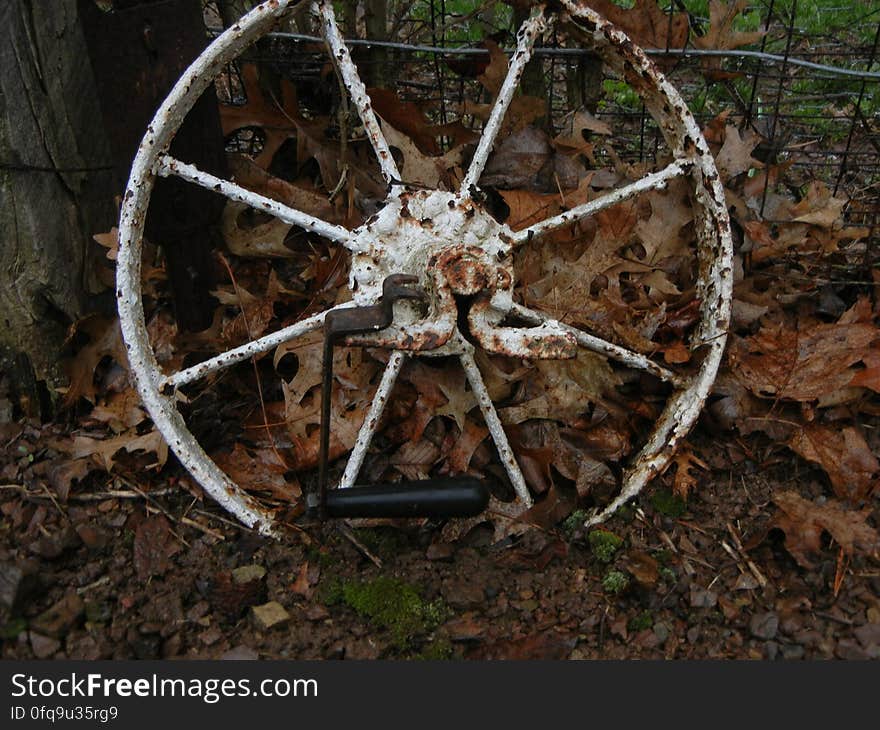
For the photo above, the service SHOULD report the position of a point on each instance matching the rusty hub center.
(453, 247)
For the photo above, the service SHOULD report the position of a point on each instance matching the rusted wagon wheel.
(465, 251)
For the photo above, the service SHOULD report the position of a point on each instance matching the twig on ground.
(348, 533)
(759, 576)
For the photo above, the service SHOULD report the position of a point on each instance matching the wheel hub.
(454, 248)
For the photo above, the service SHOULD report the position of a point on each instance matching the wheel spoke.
(490, 415)
(357, 91)
(243, 352)
(603, 347)
(168, 166)
(371, 421)
(649, 182)
(528, 33)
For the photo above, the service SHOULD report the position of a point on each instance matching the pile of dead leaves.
(801, 374)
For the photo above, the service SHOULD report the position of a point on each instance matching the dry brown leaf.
(523, 109)
(843, 454)
(735, 155)
(803, 522)
(459, 457)
(720, 35)
(301, 585)
(646, 23)
(421, 169)
(807, 363)
(819, 207)
(275, 116)
(104, 450)
(686, 480)
(562, 389)
(258, 470)
(105, 340)
(414, 459)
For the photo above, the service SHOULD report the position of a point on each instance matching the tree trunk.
(56, 181)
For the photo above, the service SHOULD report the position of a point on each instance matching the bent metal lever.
(448, 497)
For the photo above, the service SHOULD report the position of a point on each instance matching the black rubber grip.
(453, 497)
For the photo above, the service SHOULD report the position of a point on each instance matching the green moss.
(13, 628)
(667, 504)
(321, 556)
(574, 522)
(668, 575)
(605, 544)
(384, 542)
(645, 620)
(436, 650)
(392, 604)
(615, 582)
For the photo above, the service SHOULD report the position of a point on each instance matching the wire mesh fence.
(808, 84)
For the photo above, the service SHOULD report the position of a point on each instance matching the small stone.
(146, 647)
(868, 635)
(317, 613)
(171, 646)
(440, 551)
(247, 573)
(15, 587)
(198, 610)
(847, 649)
(661, 631)
(702, 598)
(792, 651)
(465, 628)
(83, 647)
(269, 615)
(240, 653)
(43, 646)
(94, 538)
(693, 634)
(463, 593)
(764, 625)
(60, 618)
(211, 636)
(56, 544)
(771, 650)
(98, 612)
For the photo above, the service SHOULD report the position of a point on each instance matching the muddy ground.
(126, 576)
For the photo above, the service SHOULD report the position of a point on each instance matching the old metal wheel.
(463, 251)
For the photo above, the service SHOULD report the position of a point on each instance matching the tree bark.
(56, 181)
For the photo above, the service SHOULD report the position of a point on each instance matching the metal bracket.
(427, 498)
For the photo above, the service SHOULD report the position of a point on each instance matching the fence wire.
(810, 87)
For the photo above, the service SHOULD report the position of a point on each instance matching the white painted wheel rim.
(680, 130)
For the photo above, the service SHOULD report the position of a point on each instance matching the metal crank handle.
(436, 498)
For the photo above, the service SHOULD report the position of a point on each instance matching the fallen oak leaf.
(803, 523)
(646, 23)
(843, 454)
(685, 480)
(721, 35)
(807, 362)
(104, 450)
(459, 457)
(258, 470)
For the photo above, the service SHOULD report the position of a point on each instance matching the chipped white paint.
(531, 30)
(429, 234)
(249, 349)
(493, 423)
(371, 422)
(168, 166)
(654, 181)
(357, 91)
(602, 347)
